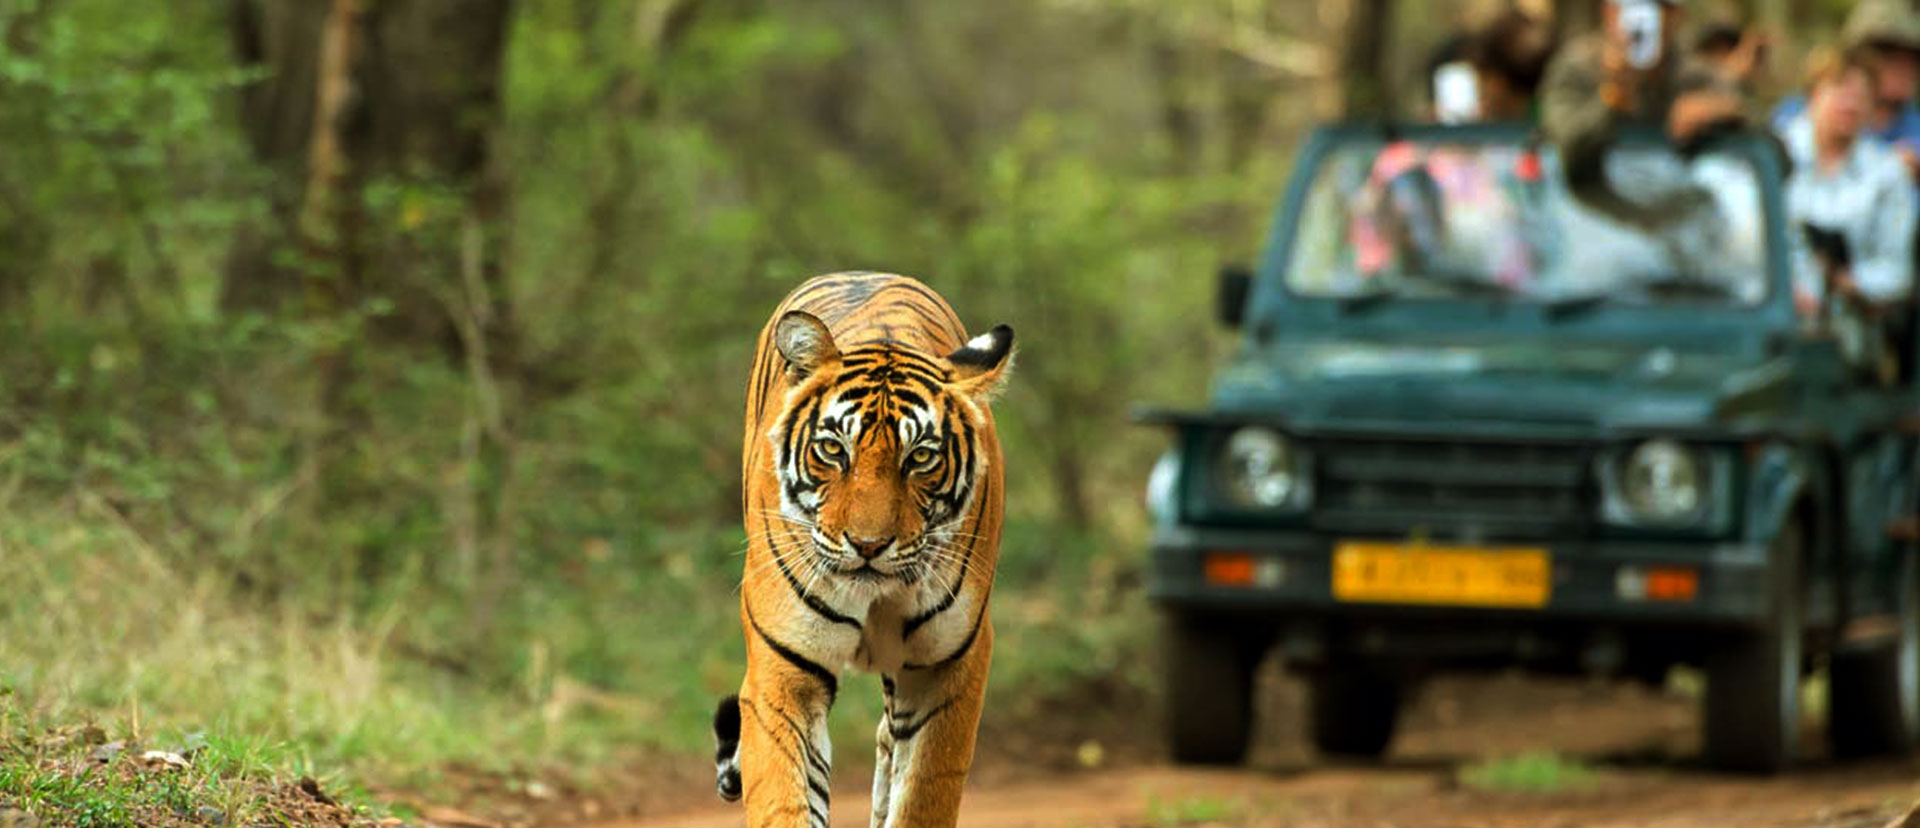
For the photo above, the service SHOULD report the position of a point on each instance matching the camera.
(1641, 20)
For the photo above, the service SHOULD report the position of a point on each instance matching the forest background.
(371, 371)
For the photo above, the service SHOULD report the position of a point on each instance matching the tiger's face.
(879, 451)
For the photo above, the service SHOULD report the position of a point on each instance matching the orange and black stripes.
(873, 498)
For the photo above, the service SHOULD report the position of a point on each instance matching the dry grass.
(100, 623)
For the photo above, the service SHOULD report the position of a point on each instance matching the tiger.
(873, 501)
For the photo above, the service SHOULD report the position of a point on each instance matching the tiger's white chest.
(883, 644)
(896, 630)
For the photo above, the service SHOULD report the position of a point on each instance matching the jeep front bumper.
(1296, 576)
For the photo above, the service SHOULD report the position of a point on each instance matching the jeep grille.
(1457, 490)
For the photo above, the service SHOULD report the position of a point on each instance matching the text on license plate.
(1393, 573)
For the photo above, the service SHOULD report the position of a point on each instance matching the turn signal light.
(1672, 584)
(1239, 569)
(1230, 570)
(1661, 583)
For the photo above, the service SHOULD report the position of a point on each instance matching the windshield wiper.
(1463, 281)
(1368, 298)
(1574, 304)
(1675, 287)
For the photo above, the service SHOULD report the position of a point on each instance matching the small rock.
(107, 752)
(166, 758)
(16, 818)
(539, 790)
(211, 815)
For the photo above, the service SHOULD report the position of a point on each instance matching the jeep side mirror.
(1230, 304)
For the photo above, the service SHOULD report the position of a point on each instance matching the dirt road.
(1600, 756)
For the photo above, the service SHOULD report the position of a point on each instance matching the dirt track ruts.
(1640, 743)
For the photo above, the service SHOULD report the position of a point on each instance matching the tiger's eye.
(921, 456)
(829, 448)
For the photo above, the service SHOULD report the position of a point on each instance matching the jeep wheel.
(1354, 712)
(1209, 691)
(1752, 715)
(1875, 707)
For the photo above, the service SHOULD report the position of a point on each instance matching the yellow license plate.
(1468, 576)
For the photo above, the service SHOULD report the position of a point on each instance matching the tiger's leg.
(932, 723)
(883, 755)
(785, 757)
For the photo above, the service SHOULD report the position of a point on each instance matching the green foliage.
(352, 540)
(1193, 810)
(389, 524)
(98, 777)
(119, 156)
(1534, 773)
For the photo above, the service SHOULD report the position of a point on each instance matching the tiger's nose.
(869, 548)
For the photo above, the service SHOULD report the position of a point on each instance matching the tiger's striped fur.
(873, 503)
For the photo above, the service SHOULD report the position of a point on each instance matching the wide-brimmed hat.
(1883, 23)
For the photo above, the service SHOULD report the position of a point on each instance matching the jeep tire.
(1751, 720)
(1874, 709)
(1354, 711)
(1208, 670)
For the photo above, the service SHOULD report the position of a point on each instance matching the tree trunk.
(282, 39)
(396, 97)
(26, 236)
(374, 122)
(1367, 91)
(1249, 96)
(1179, 116)
(26, 243)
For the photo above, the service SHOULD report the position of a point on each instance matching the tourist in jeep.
(1851, 199)
(1632, 73)
(1852, 191)
(1888, 32)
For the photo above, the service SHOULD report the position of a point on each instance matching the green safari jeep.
(1473, 423)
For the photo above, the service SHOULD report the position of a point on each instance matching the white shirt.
(1867, 198)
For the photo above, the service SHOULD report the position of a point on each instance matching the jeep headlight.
(1664, 482)
(1259, 468)
(1661, 481)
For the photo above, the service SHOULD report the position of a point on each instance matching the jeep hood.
(1585, 388)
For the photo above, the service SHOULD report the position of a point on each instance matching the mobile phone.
(1456, 93)
(1640, 21)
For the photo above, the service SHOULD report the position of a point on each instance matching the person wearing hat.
(1888, 32)
(1631, 72)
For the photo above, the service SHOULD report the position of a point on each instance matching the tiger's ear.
(805, 342)
(980, 367)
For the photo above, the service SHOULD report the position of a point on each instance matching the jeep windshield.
(1478, 220)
